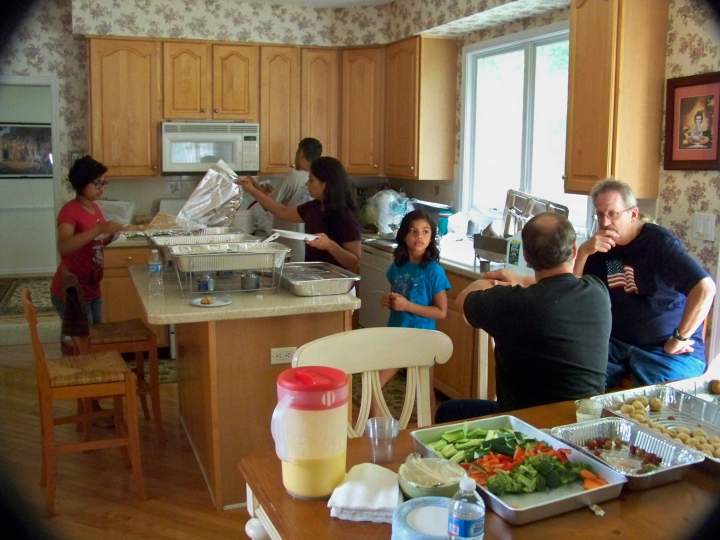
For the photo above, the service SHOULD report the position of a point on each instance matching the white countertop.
(175, 307)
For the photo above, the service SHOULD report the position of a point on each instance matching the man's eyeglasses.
(612, 215)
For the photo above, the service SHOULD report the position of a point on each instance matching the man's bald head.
(548, 241)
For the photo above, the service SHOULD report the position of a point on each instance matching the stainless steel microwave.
(194, 146)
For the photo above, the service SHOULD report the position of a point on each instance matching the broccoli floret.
(552, 478)
(528, 484)
(501, 482)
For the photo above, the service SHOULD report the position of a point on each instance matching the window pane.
(498, 128)
(549, 123)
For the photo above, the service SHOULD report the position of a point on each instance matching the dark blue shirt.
(648, 280)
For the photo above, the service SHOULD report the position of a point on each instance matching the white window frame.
(527, 39)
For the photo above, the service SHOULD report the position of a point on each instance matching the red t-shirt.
(87, 262)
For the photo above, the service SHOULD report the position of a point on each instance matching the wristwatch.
(676, 335)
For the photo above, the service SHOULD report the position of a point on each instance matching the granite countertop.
(122, 242)
(175, 307)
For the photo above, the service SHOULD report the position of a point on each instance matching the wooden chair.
(97, 375)
(133, 336)
(369, 350)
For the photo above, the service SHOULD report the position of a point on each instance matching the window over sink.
(514, 121)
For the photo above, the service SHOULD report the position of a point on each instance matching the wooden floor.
(95, 496)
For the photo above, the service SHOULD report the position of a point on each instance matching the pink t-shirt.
(87, 262)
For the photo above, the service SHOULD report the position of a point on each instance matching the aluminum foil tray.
(231, 256)
(520, 509)
(698, 387)
(317, 279)
(679, 412)
(676, 457)
(190, 239)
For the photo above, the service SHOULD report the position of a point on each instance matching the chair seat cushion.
(119, 332)
(92, 368)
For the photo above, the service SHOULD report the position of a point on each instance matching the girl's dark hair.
(84, 171)
(338, 198)
(432, 253)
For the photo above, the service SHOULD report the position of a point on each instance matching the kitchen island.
(226, 381)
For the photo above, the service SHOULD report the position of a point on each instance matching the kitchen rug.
(167, 369)
(393, 391)
(10, 302)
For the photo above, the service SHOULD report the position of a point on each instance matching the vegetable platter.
(523, 473)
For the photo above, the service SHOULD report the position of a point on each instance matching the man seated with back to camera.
(659, 294)
(551, 337)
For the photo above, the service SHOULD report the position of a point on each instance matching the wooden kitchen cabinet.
(279, 107)
(616, 88)
(120, 299)
(456, 378)
(125, 105)
(420, 99)
(320, 97)
(210, 81)
(363, 90)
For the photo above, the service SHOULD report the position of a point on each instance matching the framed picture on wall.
(691, 122)
(25, 150)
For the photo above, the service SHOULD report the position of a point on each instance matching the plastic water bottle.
(466, 516)
(156, 288)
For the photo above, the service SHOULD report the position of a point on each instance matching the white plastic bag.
(214, 201)
(389, 209)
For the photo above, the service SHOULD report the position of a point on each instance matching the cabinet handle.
(202, 110)
(375, 166)
(412, 167)
(216, 109)
(129, 259)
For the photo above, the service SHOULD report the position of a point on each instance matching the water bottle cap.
(467, 484)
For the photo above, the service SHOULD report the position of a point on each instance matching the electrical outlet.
(281, 355)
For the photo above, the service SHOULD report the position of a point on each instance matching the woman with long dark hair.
(331, 216)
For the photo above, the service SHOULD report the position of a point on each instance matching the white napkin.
(368, 493)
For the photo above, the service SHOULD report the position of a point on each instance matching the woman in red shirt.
(82, 232)
(331, 216)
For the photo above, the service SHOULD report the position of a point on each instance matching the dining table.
(668, 511)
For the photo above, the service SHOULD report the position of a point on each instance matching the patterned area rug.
(10, 289)
(167, 368)
(394, 392)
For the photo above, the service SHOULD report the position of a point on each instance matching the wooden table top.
(669, 511)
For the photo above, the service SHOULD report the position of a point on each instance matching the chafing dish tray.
(676, 457)
(698, 387)
(189, 239)
(230, 256)
(525, 508)
(678, 415)
(317, 279)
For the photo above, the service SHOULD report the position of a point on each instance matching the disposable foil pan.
(317, 279)
(698, 387)
(676, 457)
(528, 507)
(190, 239)
(240, 256)
(678, 410)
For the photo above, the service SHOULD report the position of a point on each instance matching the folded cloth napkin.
(368, 493)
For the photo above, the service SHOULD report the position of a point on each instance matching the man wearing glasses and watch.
(660, 295)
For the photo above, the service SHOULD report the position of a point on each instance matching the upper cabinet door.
(279, 107)
(235, 82)
(124, 117)
(402, 62)
(363, 74)
(319, 111)
(187, 82)
(593, 48)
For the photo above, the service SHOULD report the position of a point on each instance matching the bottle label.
(154, 267)
(466, 528)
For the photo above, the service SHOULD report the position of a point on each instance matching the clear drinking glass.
(381, 433)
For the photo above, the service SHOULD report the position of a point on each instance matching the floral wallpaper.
(43, 44)
(693, 47)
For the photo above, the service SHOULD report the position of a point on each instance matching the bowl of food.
(429, 477)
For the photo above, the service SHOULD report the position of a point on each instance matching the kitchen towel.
(369, 492)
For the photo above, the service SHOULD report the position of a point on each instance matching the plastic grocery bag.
(214, 201)
(389, 209)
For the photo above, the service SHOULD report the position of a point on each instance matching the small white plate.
(295, 235)
(217, 301)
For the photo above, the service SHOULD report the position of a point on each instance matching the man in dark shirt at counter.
(660, 295)
(551, 338)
